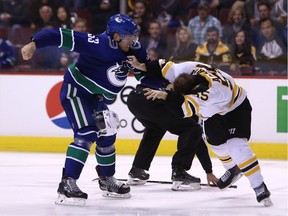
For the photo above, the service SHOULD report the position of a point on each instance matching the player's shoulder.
(102, 37)
(103, 41)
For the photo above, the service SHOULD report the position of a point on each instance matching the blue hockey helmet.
(121, 24)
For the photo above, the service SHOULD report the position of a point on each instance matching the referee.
(157, 119)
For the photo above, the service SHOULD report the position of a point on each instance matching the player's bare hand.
(152, 94)
(28, 51)
(212, 179)
(169, 87)
(133, 61)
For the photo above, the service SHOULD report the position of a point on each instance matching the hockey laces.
(73, 186)
(260, 190)
(114, 183)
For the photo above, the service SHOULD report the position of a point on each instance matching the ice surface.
(29, 182)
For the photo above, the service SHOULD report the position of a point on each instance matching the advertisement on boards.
(30, 106)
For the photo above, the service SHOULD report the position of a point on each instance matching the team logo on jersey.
(117, 74)
(54, 108)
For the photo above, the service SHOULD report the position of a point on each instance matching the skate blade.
(116, 195)
(135, 181)
(267, 202)
(236, 178)
(182, 186)
(63, 200)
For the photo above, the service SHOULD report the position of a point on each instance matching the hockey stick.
(169, 182)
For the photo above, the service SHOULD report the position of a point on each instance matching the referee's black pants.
(157, 119)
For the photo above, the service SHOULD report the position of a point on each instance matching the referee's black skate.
(69, 193)
(183, 181)
(263, 195)
(229, 177)
(113, 188)
(137, 176)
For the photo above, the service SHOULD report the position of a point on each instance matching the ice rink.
(29, 182)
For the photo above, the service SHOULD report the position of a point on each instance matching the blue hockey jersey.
(101, 67)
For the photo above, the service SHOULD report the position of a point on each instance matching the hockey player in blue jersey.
(89, 85)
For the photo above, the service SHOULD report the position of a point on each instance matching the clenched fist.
(28, 50)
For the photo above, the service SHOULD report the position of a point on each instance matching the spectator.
(47, 57)
(199, 24)
(185, 48)
(75, 4)
(222, 4)
(194, 3)
(243, 55)
(63, 18)
(69, 57)
(272, 50)
(264, 12)
(213, 51)
(251, 10)
(7, 54)
(35, 6)
(236, 19)
(14, 13)
(169, 14)
(80, 25)
(141, 14)
(155, 39)
(45, 19)
(101, 10)
(279, 11)
(153, 54)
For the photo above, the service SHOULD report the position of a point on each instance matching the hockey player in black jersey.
(89, 85)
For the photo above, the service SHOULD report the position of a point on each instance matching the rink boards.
(33, 120)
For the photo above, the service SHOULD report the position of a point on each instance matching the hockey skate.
(113, 188)
(229, 177)
(70, 194)
(137, 176)
(263, 195)
(182, 181)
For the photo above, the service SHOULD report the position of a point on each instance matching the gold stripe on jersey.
(250, 166)
(225, 159)
(237, 92)
(166, 68)
(194, 103)
(235, 95)
(188, 109)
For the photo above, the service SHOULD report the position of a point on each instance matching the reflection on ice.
(29, 182)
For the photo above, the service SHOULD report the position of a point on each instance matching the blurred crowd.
(242, 37)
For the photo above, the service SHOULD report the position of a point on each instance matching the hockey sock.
(105, 157)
